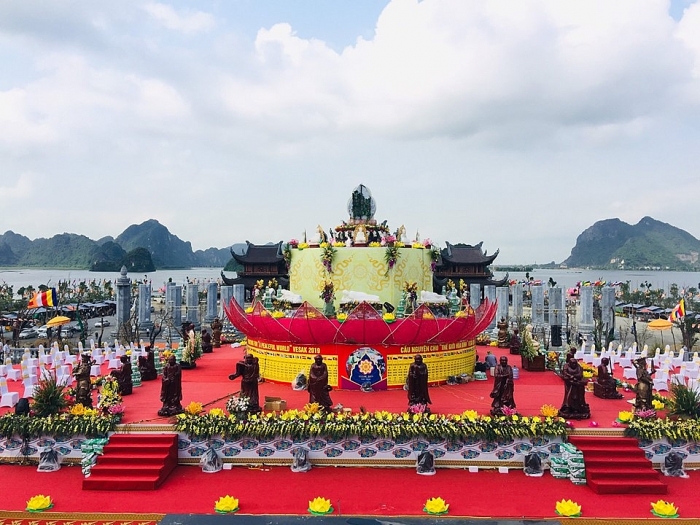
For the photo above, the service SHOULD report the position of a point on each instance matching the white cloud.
(188, 22)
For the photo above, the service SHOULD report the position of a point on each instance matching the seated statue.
(605, 386)
(301, 462)
(147, 366)
(123, 376)
(673, 465)
(216, 328)
(515, 342)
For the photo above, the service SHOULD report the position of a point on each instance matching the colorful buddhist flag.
(678, 311)
(47, 298)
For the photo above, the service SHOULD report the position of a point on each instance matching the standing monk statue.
(643, 397)
(249, 371)
(318, 387)
(417, 382)
(83, 389)
(502, 392)
(171, 389)
(574, 405)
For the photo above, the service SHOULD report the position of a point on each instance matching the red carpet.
(616, 465)
(353, 491)
(134, 462)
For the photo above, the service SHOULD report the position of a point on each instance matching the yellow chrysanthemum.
(226, 504)
(320, 505)
(657, 405)
(39, 502)
(77, 410)
(217, 412)
(664, 509)
(568, 508)
(436, 506)
(312, 408)
(471, 415)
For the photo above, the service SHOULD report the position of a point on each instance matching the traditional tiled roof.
(466, 254)
(260, 254)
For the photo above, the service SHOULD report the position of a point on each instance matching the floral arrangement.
(381, 424)
(417, 246)
(193, 349)
(328, 292)
(258, 289)
(237, 404)
(427, 243)
(65, 424)
(226, 505)
(272, 283)
(338, 244)
(375, 244)
(436, 506)
(654, 428)
(320, 506)
(217, 412)
(483, 339)
(327, 254)
(302, 245)
(293, 243)
(109, 397)
(657, 405)
(434, 257)
(391, 254)
(664, 509)
(411, 290)
(568, 508)
(277, 314)
(39, 503)
(287, 254)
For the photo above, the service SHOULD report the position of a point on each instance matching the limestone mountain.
(167, 250)
(649, 244)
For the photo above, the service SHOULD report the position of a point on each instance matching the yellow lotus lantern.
(226, 505)
(217, 412)
(625, 416)
(436, 506)
(568, 508)
(194, 408)
(664, 509)
(320, 506)
(39, 503)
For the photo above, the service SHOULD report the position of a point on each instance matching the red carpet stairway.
(616, 465)
(134, 462)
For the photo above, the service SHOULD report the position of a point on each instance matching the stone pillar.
(173, 303)
(239, 294)
(517, 293)
(607, 311)
(502, 298)
(586, 324)
(123, 299)
(474, 295)
(537, 305)
(192, 314)
(490, 294)
(144, 303)
(226, 296)
(212, 291)
(556, 316)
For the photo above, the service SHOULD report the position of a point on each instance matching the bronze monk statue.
(417, 382)
(605, 386)
(502, 392)
(319, 390)
(171, 389)
(83, 388)
(123, 376)
(574, 405)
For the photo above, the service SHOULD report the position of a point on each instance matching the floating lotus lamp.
(664, 509)
(436, 506)
(389, 317)
(39, 503)
(625, 416)
(194, 408)
(320, 506)
(568, 508)
(226, 505)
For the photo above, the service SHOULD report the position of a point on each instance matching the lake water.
(566, 278)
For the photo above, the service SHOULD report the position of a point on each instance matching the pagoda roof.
(260, 254)
(466, 254)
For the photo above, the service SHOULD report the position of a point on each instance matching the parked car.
(100, 324)
(42, 331)
(28, 333)
(69, 330)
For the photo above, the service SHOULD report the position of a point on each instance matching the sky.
(516, 123)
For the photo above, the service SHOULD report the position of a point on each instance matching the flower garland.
(654, 428)
(287, 254)
(328, 292)
(301, 424)
(391, 254)
(327, 254)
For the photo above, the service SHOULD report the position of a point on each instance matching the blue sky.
(515, 123)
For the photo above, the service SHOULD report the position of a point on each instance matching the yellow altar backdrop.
(359, 269)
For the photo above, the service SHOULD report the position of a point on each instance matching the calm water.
(565, 278)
